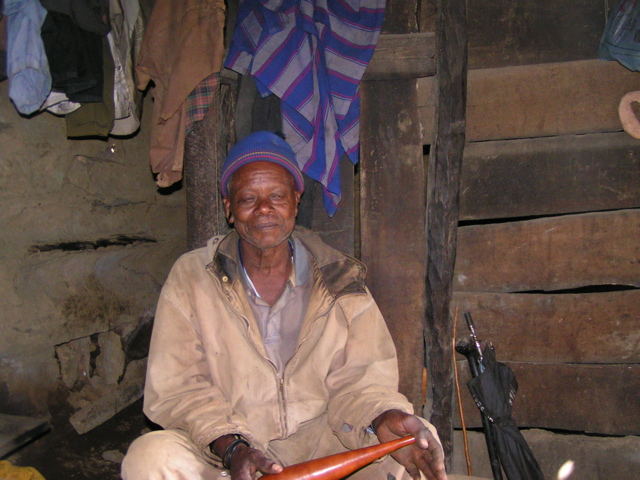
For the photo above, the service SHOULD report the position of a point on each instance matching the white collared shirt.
(281, 323)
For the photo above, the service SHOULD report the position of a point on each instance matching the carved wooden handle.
(335, 467)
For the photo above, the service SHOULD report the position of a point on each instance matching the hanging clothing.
(200, 99)
(3, 45)
(89, 15)
(27, 65)
(95, 119)
(59, 104)
(312, 55)
(183, 45)
(128, 26)
(75, 58)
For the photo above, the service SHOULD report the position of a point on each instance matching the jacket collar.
(340, 273)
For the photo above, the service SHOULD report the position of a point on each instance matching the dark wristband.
(228, 452)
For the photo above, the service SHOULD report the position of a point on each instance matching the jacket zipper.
(279, 380)
(283, 405)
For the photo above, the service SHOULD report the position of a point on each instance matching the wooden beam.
(409, 55)
(443, 183)
(550, 253)
(392, 180)
(550, 176)
(539, 100)
(505, 32)
(601, 399)
(564, 328)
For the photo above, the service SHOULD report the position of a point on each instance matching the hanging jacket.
(125, 39)
(183, 45)
(27, 65)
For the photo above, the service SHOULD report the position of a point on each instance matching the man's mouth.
(266, 226)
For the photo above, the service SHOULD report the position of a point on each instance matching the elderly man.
(268, 349)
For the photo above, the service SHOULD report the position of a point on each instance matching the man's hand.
(425, 455)
(245, 462)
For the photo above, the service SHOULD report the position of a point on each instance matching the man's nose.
(264, 205)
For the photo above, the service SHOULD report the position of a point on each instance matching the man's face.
(262, 204)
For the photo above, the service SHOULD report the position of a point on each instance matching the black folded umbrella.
(494, 389)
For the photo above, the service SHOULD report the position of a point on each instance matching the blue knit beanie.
(260, 147)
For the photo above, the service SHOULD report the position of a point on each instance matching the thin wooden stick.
(455, 370)
(424, 386)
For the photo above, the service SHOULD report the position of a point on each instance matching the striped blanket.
(312, 55)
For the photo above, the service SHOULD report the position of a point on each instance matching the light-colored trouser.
(170, 455)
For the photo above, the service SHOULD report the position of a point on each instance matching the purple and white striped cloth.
(312, 55)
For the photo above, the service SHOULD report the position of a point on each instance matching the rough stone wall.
(87, 241)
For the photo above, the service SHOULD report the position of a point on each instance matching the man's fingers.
(423, 441)
(426, 455)
(413, 470)
(251, 461)
(425, 468)
(437, 454)
(430, 457)
(418, 460)
(271, 467)
(266, 465)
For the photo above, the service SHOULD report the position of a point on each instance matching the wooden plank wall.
(539, 100)
(548, 255)
(549, 236)
(506, 33)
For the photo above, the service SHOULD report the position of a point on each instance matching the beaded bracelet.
(228, 452)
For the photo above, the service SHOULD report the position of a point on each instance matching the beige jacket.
(208, 373)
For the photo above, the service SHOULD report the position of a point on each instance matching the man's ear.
(297, 195)
(227, 209)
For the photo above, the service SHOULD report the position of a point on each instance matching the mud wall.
(87, 241)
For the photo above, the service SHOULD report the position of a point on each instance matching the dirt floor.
(62, 454)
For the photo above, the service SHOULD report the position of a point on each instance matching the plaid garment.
(199, 100)
(312, 55)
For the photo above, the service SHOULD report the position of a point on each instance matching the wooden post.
(392, 215)
(206, 147)
(443, 184)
